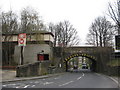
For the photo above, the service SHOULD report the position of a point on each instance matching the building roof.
(28, 33)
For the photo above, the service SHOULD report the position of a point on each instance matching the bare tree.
(9, 27)
(9, 24)
(100, 33)
(30, 21)
(64, 34)
(52, 28)
(114, 13)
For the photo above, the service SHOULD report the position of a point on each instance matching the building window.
(46, 56)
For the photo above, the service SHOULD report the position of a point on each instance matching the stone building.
(37, 43)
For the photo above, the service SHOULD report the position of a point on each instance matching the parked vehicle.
(84, 66)
(75, 67)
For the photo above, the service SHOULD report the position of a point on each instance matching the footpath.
(10, 76)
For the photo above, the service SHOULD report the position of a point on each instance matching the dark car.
(75, 67)
(84, 66)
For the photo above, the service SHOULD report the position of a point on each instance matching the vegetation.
(114, 63)
(114, 13)
(64, 34)
(100, 33)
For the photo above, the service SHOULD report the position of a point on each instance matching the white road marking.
(43, 79)
(79, 78)
(46, 83)
(10, 84)
(26, 86)
(36, 82)
(110, 78)
(18, 87)
(4, 85)
(66, 83)
(33, 86)
(115, 80)
(83, 74)
(56, 78)
(98, 74)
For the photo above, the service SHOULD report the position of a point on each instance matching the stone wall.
(34, 69)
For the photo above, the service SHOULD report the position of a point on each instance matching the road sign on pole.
(22, 43)
(22, 39)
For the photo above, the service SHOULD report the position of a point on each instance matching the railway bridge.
(99, 56)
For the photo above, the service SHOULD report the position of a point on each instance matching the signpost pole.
(22, 61)
(22, 43)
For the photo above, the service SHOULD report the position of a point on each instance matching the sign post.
(22, 43)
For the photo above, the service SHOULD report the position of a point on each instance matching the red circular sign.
(21, 41)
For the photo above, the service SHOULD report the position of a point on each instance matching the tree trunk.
(100, 41)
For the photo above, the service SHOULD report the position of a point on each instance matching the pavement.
(10, 76)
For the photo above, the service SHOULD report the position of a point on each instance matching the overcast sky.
(80, 13)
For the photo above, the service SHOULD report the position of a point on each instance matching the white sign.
(22, 39)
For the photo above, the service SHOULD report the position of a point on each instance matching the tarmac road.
(81, 79)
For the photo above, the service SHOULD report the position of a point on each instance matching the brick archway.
(92, 58)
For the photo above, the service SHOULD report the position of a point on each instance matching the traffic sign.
(22, 39)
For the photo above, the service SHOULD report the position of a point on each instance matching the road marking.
(10, 84)
(79, 78)
(110, 78)
(36, 82)
(43, 79)
(66, 83)
(17, 87)
(4, 85)
(115, 80)
(46, 83)
(26, 86)
(98, 74)
(33, 86)
(83, 74)
(56, 78)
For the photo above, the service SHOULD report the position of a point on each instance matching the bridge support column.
(66, 65)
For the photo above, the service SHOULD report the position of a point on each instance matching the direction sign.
(22, 39)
